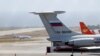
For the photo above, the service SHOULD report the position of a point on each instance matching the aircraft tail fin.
(85, 29)
(55, 28)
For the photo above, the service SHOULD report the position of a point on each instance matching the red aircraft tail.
(85, 29)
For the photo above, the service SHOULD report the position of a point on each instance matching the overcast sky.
(16, 12)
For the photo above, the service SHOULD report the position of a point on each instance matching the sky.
(15, 13)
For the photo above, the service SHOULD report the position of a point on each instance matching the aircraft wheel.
(71, 55)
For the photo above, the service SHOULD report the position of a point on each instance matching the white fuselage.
(85, 40)
(22, 36)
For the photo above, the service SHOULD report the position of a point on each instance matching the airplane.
(85, 30)
(21, 36)
(61, 36)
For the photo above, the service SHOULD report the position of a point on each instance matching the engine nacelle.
(82, 42)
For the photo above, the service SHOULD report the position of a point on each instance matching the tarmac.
(33, 48)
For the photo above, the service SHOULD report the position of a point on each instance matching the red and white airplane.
(85, 30)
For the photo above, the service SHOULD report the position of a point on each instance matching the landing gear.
(72, 52)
